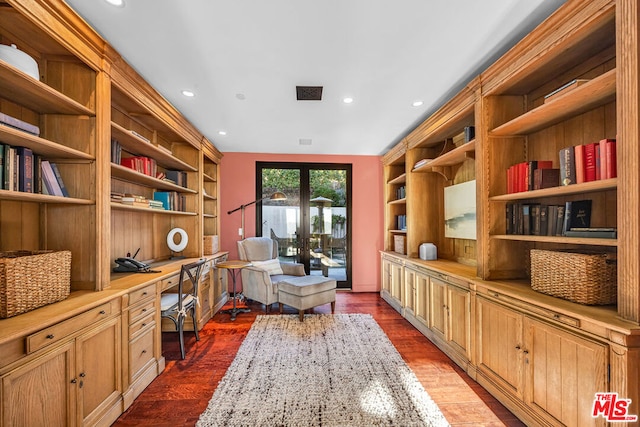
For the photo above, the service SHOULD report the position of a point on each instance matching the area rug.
(330, 370)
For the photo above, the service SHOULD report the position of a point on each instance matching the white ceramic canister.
(428, 252)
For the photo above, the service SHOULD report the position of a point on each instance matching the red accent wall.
(237, 187)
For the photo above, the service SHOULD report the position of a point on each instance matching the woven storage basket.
(31, 279)
(585, 278)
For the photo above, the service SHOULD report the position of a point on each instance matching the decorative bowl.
(22, 61)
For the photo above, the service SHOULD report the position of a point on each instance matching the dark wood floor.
(181, 393)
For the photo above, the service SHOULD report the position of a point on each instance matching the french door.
(313, 225)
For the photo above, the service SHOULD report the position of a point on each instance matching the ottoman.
(306, 292)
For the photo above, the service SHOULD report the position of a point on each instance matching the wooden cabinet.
(516, 123)
(211, 158)
(450, 317)
(142, 354)
(550, 372)
(73, 381)
(219, 278)
(392, 281)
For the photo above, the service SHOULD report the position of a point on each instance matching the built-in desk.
(117, 328)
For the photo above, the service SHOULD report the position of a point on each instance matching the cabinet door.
(438, 300)
(98, 379)
(396, 280)
(40, 393)
(422, 298)
(459, 319)
(408, 293)
(500, 345)
(564, 372)
(386, 276)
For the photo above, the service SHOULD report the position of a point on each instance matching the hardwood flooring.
(182, 392)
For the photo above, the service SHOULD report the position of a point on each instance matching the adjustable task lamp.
(275, 196)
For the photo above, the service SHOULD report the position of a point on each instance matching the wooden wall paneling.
(73, 78)
(102, 175)
(628, 149)
(19, 226)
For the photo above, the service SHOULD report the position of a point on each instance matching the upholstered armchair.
(260, 280)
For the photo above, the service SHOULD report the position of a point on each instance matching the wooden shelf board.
(557, 239)
(401, 179)
(208, 178)
(398, 231)
(126, 174)
(39, 145)
(598, 91)
(139, 146)
(120, 206)
(450, 158)
(398, 202)
(22, 89)
(42, 198)
(208, 197)
(209, 216)
(565, 190)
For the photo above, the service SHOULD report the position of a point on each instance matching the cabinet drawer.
(206, 268)
(141, 352)
(66, 328)
(137, 327)
(141, 294)
(170, 282)
(142, 310)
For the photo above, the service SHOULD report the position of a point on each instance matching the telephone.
(128, 265)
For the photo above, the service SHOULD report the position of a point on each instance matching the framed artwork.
(460, 211)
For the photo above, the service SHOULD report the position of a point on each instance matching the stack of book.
(142, 164)
(573, 219)
(171, 200)
(12, 122)
(177, 177)
(589, 162)
(23, 170)
(401, 222)
(531, 175)
(134, 200)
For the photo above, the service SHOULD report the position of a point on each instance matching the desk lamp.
(275, 196)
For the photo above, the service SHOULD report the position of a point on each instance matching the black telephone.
(128, 265)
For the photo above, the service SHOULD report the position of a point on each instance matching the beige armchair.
(260, 281)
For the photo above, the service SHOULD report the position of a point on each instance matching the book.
(590, 161)
(579, 159)
(7, 160)
(543, 220)
(602, 146)
(598, 162)
(1, 166)
(165, 197)
(533, 166)
(180, 178)
(610, 158)
(25, 170)
(580, 215)
(564, 89)
(595, 234)
(37, 174)
(58, 177)
(546, 178)
(15, 123)
(525, 226)
(559, 220)
(567, 166)
(566, 222)
(552, 222)
(49, 179)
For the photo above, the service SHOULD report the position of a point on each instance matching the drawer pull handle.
(526, 351)
(144, 309)
(144, 351)
(144, 294)
(144, 324)
(518, 347)
(82, 375)
(496, 295)
(73, 381)
(50, 336)
(103, 312)
(556, 316)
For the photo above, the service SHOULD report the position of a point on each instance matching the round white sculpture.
(184, 239)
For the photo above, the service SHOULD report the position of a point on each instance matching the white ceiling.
(384, 54)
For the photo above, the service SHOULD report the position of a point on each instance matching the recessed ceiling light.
(417, 103)
(347, 100)
(240, 96)
(117, 3)
(188, 93)
(222, 132)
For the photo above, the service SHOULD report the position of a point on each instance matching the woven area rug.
(330, 370)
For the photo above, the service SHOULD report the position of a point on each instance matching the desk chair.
(175, 306)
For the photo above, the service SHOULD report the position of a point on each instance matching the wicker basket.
(31, 279)
(585, 278)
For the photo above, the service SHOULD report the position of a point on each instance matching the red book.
(128, 162)
(598, 161)
(580, 162)
(610, 158)
(522, 176)
(603, 155)
(590, 162)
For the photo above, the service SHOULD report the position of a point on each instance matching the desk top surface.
(233, 264)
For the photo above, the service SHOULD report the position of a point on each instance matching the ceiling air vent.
(309, 93)
(305, 141)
